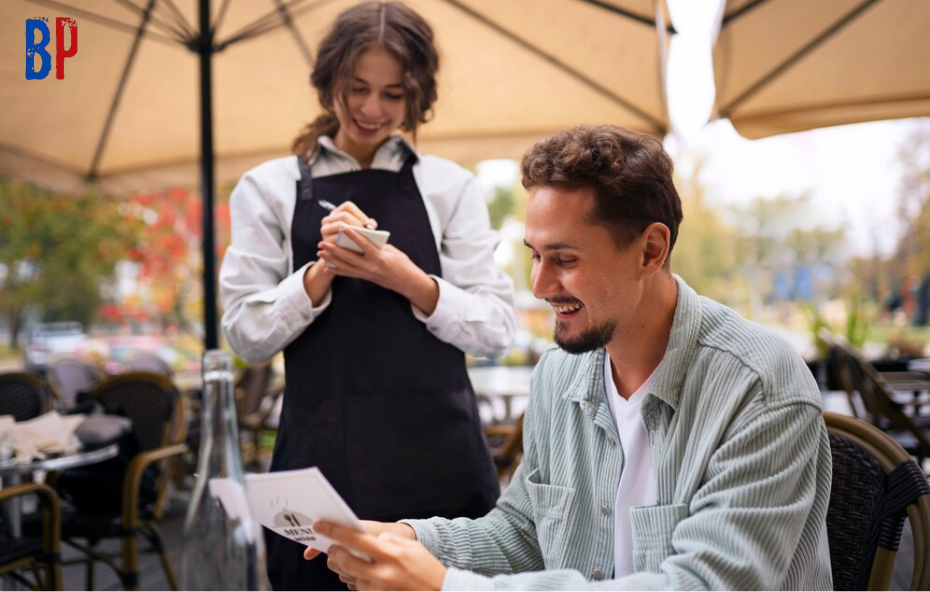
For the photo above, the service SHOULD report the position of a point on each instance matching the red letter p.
(60, 53)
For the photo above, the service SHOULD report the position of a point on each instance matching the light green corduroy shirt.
(741, 458)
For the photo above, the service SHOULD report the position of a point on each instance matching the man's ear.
(655, 240)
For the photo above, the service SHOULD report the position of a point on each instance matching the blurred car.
(48, 340)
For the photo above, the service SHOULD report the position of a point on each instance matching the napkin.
(47, 433)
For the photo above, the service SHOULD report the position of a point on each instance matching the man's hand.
(398, 562)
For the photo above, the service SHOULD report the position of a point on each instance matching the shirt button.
(611, 441)
(597, 574)
(605, 510)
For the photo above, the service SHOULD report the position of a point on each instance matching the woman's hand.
(387, 267)
(345, 214)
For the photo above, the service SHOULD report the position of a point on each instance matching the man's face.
(591, 283)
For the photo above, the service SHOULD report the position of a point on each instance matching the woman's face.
(375, 104)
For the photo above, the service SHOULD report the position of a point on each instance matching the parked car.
(51, 339)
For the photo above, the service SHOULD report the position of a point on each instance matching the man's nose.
(543, 281)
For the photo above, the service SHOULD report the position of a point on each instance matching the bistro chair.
(506, 444)
(876, 486)
(23, 396)
(254, 403)
(128, 500)
(868, 390)
(68, 377)
(145, 362)
(38, 554)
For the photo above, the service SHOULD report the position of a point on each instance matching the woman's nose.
(372, 106)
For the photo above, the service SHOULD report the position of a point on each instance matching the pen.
(327, 205)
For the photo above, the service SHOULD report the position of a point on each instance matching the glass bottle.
(223, 546)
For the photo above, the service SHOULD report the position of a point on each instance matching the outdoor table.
(12, 474)
(503, 383)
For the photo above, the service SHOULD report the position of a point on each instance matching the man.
(669, 444)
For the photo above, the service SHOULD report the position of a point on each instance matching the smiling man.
(669, 444)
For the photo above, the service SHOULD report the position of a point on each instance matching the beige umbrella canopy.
(789, 65)
(153, 79)
(126, 114)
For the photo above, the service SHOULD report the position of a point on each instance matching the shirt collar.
(672, 370)
(391, 155)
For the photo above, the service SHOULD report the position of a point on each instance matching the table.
(13, 473)
(503, 383)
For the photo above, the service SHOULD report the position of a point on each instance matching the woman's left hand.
(386, 266)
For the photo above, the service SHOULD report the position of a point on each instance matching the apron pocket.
(653, 527)
(551, 506)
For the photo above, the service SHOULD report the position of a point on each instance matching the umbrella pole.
(205, 51)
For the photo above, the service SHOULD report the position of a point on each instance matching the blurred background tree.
(56, 252)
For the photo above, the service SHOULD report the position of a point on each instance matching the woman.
(377, 392)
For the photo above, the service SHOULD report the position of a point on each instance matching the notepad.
(378, 237)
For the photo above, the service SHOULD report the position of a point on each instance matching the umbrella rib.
(106, 21)
(798, 55)
(740, 12)
(289, 21)
(220, 15)
(111, 114)
(167, 27)
(189, 31)
(628, 14)
(269, 22)
(658, 125)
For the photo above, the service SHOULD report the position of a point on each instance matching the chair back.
(252, 387)
(876, 485)
(867, 388)
(69, 376)
(23, 396)
(145, 362)
(150, 400)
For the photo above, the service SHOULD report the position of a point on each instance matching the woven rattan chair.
(506, 443)
(876, 486)
(254, 403)
(159, 422)
(146, 362)
(34, 554)
(870, 391)
(23, 396)
(69, 377)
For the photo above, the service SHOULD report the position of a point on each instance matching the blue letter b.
(33, 49)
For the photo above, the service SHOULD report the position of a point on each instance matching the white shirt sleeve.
(475, 311)
(266, 307)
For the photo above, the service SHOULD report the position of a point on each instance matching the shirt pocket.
(652, 529)
(551, 506)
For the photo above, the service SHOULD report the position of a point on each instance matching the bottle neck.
(219, 436)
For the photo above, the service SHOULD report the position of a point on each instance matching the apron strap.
(305, 185)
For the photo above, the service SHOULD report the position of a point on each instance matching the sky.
(850, 172)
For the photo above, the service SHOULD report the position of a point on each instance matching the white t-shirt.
(637, 479)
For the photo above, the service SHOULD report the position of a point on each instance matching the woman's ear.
(656, 238)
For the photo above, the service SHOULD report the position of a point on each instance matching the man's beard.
(589, 340)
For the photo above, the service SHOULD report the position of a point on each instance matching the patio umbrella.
(137, 108)
(790, 65)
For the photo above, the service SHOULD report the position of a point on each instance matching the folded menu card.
(289, 502)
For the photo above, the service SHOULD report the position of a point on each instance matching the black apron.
(380, 405)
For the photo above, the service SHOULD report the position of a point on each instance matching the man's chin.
(584, 342)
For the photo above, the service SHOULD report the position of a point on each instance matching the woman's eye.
(357, 90)
(394, 97)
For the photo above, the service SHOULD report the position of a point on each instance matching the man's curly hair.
(630, 173)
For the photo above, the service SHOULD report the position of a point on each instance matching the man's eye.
(566, 262)
(534, 256)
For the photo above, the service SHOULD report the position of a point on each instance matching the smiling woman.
(374, 340)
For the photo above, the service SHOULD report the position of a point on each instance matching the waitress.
(374, 343)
